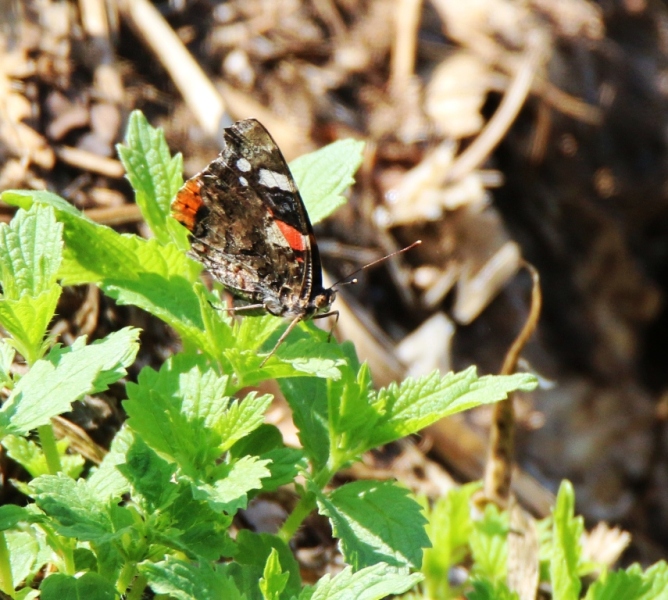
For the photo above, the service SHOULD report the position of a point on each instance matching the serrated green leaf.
(27, 320)
(90, 586)
(375, 522)
(241, 418)
(65, 375)
(567, 531)
(72, 507)
(372, 583)
(489, 544)
(30, 252)
(154, 174)
(185, 581)
(232, 482)
(322, 176)
(614, 585)
(177, 409)
(416, 403)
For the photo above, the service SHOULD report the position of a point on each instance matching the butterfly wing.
(248, 223)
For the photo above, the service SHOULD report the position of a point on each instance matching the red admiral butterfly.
(250, 229)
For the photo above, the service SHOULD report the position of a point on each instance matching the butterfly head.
(321, 302)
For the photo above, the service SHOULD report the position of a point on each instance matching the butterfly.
(249, 227)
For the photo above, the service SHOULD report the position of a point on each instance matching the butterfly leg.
(281, 339)
(235, 309)
(329, 314)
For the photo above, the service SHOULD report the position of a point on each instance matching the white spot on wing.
(243, 165)
(273, 179)
(243, 181)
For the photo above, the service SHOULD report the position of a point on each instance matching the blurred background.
(496, 131)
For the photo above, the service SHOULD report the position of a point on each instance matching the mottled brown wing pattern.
(248, 223)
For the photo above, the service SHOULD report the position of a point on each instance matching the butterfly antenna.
(371, 264)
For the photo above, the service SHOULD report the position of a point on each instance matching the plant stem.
(125, 579)
(48, 441)
(296, 518)
(6, 582)
(137, 589)
(304, 507)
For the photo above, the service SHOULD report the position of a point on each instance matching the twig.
(196, 88)
(89, 161)
(115, 215)
(407, 22)
(510, 106)
(107, 79)
(500, 457)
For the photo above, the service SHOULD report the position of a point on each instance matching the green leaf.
(154, 174)
(266, 442)
(185, 581)
(416, 403)
(322, 176)
(241, 418)
(30, 456)
(254, 551)
(90, 586)
(106, 481)
(657, 577)
(489, 544)
(619, 584)
(232, 482)
(177, 410)
(375, 522)
(23, 549)
(567, 531)
(351, 418)
(11, 515)
(449, 529)
(149, 475)
(72, 507)
(30, 252)
(65, 375)
(157, 278)
(273, 579)
(7, 354)
(307, 398)
(252, 333)
(27, 320)
(193, 527)
(372, 583)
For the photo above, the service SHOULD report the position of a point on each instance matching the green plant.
(482, 544)
(157, 511)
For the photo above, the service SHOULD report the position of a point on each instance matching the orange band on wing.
(292, 237)
(186, 204)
